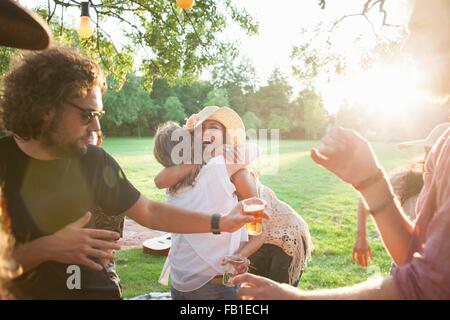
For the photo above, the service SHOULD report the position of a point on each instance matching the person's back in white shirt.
(196, 258)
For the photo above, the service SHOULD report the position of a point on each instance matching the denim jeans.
(206, 292)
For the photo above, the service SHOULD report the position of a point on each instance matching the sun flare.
(385, 88)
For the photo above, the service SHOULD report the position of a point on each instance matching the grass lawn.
(327, 204)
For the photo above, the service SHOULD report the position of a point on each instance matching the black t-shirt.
(44, 196)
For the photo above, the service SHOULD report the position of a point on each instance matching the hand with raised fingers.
(347, 154)
(191, 122)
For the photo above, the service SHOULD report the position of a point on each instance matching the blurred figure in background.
(407, 182)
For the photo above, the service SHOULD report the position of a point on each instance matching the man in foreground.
(421, 252)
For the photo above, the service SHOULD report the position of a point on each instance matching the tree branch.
(197, 35)
(104, 62)
(368, 5)
(117, 16)
(50, 14)
(62, 21)
(70, 3)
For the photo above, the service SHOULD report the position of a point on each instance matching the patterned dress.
(287, 230)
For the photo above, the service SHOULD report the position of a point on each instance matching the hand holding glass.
(254, 207)
(234, 265)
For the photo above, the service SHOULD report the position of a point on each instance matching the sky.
(280, 23)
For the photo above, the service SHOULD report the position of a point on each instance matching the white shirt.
(196, 258)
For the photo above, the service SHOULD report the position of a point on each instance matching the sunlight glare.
(385, 88)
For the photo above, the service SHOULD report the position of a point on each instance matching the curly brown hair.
(40, 83)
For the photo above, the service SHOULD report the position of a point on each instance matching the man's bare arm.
(165, 217)
(351, 158)
(261, 288)
(394, 227)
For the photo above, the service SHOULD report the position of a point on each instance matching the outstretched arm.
(350, 157)
(170, 176)
(261, 288)
(361, 249)
(166, 217)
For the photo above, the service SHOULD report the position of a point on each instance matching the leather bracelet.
(215, 219)
(369, 181)
(383, 206)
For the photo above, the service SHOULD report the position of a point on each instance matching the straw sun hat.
(235, 128)
(430, 140)
(21, 28)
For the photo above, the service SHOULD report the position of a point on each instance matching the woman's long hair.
(408, 181)
(162, 151)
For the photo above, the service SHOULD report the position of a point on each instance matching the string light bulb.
(185, 4)
(85, 28)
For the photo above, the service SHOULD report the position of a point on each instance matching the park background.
(297, 66)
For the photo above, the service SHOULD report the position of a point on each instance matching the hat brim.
(21, 28)
(230, 120)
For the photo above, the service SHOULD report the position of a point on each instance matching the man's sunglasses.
(86, 115)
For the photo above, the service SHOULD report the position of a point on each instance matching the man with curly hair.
(54, 179)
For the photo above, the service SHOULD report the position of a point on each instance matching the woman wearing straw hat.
(285, 245)
(195, 260)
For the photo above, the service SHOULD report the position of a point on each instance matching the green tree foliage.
(251, 120)
(279, 121)
(6, 54)
(315, 118)
(100, 47)
(173, 110)
(161, 90)
(172, 43)
(217, 97)
(313, 58)
(130, 110)
(238, 77)
(192, 95)
(274, 97)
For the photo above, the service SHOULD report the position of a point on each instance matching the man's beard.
(54, 139)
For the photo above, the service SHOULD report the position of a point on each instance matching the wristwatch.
(215, 218)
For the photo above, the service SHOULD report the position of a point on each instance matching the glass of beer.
(254, 207)
(235, 265)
